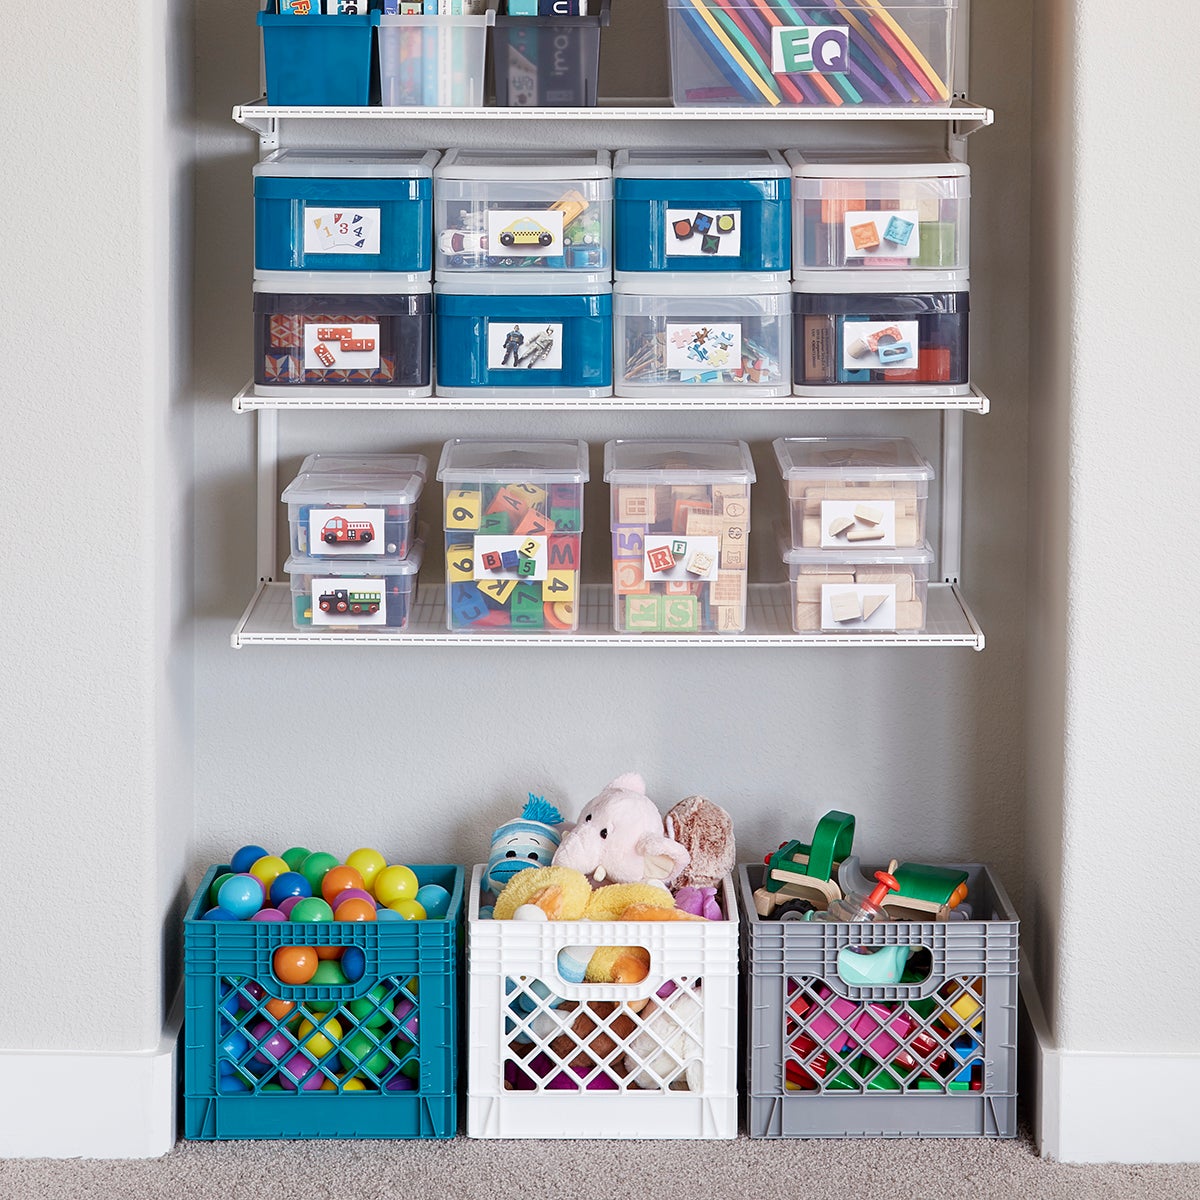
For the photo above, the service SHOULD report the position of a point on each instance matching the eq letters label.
(824, 49)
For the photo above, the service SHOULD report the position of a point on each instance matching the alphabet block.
(681, 614)
(566, 519)
(643, 612)
(460, 563)
(496, 523)
(498, 590)
(534, 524)
(562, 553)
(629, 541)
(629, 578)
(509, 500)
(660, 559)
(636, 504)
(528, 548)
(526, 566)
(491, 560)
(467, 605)
(731, 618)
(463, 509)
(509, 559)
(564, 495)
(558, 585)
(527, 606)
(530, 493)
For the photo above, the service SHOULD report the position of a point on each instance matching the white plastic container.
(433, 60)
(354, 595)
(674, 335)
(523, 211)
(868, 493)
(321, 461)
(678, 1079)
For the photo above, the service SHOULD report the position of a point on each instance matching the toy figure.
(540, 346)
(512, 346)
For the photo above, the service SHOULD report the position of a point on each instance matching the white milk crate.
(552, 1059)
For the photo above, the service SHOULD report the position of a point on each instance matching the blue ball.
(387, 914)
(242, 895)
(235, 1044)
(290, 883)
(218, 914)
(354, 963)
(231, 1083)
(434, 899)
(245, 858)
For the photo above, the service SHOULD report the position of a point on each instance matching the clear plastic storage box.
(513, 528)
(550, 61)
(344, 210)
(342, 333)
(523, 211)
(866, 493)
(857, 590)
(777, 52)
(680, 534)
(371, 462)
(354, 513)
(360, 595)
(524, 336)
(673, 335)
(900, 332)
(881, 211)
(690, 210)
(428, 60)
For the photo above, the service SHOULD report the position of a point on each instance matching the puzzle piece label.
(700, 348)
(872, 345)
(341, 230)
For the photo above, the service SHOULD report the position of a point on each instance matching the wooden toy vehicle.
(342, 601)
(339, 529)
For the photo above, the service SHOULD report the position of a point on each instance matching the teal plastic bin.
(319, 61)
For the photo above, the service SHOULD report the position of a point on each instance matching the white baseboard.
(78, 1105)
(1098, 1107)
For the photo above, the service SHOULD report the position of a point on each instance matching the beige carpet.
(528, 1170)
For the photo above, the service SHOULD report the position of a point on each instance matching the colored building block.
(562, 553)
(629, 579)
(526, 607)
(629, 541)
(660, 559)
(534, 496)
(467, 603)
(535, 524)
(558, 585)
(562, 614)
(528, 548)
(509, 559)
(491, 560)
(564, 495)
(680, 614)
(510, 501)
(566, 520)
(526, 566)
(463, 509)
(498, 591)
(677, 587)
(460, 563)
(643, 612)
(496, 523)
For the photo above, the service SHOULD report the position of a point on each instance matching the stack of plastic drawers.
(355, 547)
(523, 291)
(881, 274)
(702, 254)
(342, 274)
(855, 544)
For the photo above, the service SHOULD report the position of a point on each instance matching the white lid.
(666, 163)
(827, 458)
(877, 164)
(301, 564)
(353, 487)
(678, 460)
(798, 556)
(524, 282)
(881, 281)
(703, 283)
(371, 463)
(350, 283)
(477, 460)
(350, 164)
(517, 166)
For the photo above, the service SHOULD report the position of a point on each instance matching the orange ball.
(354, 909)
(279, 1008)
(338, 879)
(295, 964)
(329, 952)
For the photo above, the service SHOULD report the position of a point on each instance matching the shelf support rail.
(267, 498)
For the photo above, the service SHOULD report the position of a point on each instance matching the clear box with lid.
(370, 461)
(680, 523)
(513, 521)
(354, 514)
(523, 210)
(868, 492)
(701, 210)
(880, 211)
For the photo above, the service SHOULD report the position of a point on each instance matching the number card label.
(353, 601)
(882, 234)
(511, 560)
(525, 233)
(704, 233)
(670, 558)
(345, 531)
(859, 606)
(341, 230)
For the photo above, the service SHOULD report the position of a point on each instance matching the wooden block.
(491, 560)
(731, 500)
(498, 590)
(636, 505)
(700, 524)
(534, 496)
(562, 615)
(910, 615)
(562, 552)
(528, 548)
(906, 531)
(629, 541)
(845, 606)
(680, 614)
(806, 589)
(535, 524)
(699, 563)
(840, 525)
(642, 612)
(628, 577)
(558, 585)
(660, 559)
(496, 523)
(463, 509)
(864, 533)
(678, 587)
(901, 577)
(731, 618)
(691, 491)
(868, 514)
(733, 555)
(729, 588)
(526, 566)
(811, 532)
(509, 500)
(679, 522)
(806, 618)
(460, 563)
(870, 604)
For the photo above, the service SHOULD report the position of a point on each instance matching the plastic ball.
(367, 862)
(242, 895)
(313, 868)
(370, 1010)
(350, 1083)
(289, 883)
(328, 974)
(355, 894)
(386, 914)
(285, 906)
(234, 1045)
(294, 856)
(361, 1051)
(338, 879)
(354, 909)
(395, 883)
(434, 899)
(245, 858)
(268, 914)
(409, 1017)
(300, 1073)
(318, 1040)
(279, 1009)
(330, 953)
(401, 1083)
(294, 964)
(274, 1046)
(231, 1083)
(353, 964)
(311, 908)
(410, 910)
(219, 914)
(216, 886)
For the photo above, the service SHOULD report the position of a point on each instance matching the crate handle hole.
(604, 964)
(883, 966)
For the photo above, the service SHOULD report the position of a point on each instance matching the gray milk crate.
(934, 1055)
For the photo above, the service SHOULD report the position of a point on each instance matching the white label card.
(673, 557)
(498, 556)
(694, 349)
(704, 233)
(878, 345)
(345, 531)
(355, 601)
(862, 523)
(529, 346)
(525, 233)
(341, 230)
(883, 234)
(353, 347)
(859, 606)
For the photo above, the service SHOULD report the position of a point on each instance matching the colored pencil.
(768, 17)
(739, 85)
(925, 71)
(868, 48)
(769, 91)
(723, 11)
(759, 32)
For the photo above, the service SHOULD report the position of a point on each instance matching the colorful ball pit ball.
(353, 963)
(327, 974)
(311, 908)
(242, 895)
(295, 965)
(294, 856)
(361, 1052)
(319, 1040)
(367, 862)
(279, 1009)
(267, 869)
(410, 910)
(216, 886)
(289, 883)
(386, 914)
(354, 894)
(434, 899)
(274, 1046)
(245, 858)
(301, 1070)
(337, 880)
(286, 906)
(315, 866)
(395, 883)
(354, 909)
(219, 914)
(268, 914)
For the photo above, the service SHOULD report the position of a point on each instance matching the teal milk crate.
(319, 61)
(392, 1072)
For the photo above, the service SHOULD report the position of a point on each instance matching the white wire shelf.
(320, 398)
(267, 621)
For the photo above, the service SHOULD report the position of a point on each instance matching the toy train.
(340, 600)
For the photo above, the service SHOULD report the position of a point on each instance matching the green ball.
(313, 868)
(373, 1010)
(311, 908)
(295, 857)
(216, 887)
(328, 974)
(360, 1051)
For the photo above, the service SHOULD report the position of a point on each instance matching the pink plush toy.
(619, 838)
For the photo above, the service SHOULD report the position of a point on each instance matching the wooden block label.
(858, 606)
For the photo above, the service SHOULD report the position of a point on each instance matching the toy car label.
(670, 558)
(341, 230)
(525, 233)
(890, 234)
(703, 233)
(345, 531)
(356, 348)
(504, 557)
(525, 345)
(876, 345)
(358, 600)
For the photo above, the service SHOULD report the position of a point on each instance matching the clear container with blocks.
(355, 513)
(857, 589)
(524, 337)
(868, 492)
(354, 595)
(342, 333)
(883, 211)
(829, 53)
(522, 211)
(701, 211)
(680, 523)
(905, 333)
(513, 518)
(674, 335)
(433, 59)
(344, 210)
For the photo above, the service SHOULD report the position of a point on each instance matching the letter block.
(491, 560)
(509, 500)
(496, 523)
(681, 614)
(463, 509)
(562, 553)
(643, 612)
(527, 606)
(528, 548)
(526, 567)
(498, 591)
(460, 563)
(558, 585)
(467, 605)
(629, 579)
(535, 524)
